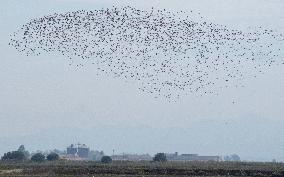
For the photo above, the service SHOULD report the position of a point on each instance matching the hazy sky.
(46, 104)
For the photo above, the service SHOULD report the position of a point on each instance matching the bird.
(168, 54)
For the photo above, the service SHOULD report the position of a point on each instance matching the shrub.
(160, 157)
(38, 157)
(106, 159)
(14, 156)
(52, 156)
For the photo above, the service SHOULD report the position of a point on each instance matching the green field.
(120, 169)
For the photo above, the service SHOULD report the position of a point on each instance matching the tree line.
(22, 154)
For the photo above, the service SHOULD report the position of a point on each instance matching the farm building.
(190, 157)
(132, 157)
(79, 150)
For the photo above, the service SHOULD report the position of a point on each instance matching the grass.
(11, 171)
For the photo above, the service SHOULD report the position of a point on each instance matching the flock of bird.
(167, 53)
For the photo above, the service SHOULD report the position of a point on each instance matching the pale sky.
(46, 104)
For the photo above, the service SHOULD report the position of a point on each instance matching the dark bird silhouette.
(167, 53)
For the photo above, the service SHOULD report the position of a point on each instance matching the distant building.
(131, 157)
(190, 157)
(78, 151)
(72, 150)
(96, 155)
(208, 158)
(83, 151)
(171, 156)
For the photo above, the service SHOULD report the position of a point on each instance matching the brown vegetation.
(167, 169)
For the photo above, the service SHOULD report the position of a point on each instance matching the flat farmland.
(125, 169)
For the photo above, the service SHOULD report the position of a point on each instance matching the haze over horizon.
(47, 104)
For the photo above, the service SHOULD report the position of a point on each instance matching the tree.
(106, 159)
(235, 157)
(160, 157)
(59, 152)
(52, 157)
(14, 156)
(23, 149)
(38, 157)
